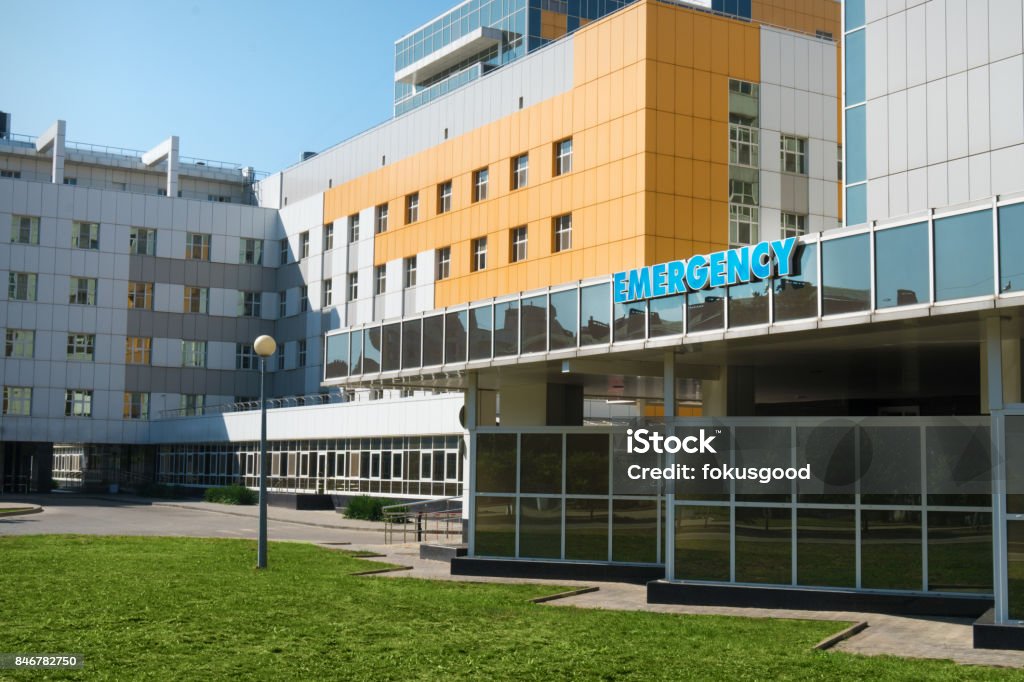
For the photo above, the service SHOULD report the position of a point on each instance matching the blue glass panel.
(796, 296)
(391, 356)
(705, 310)
(667, 315)
(846, 275)
(433, 333)
(963, 256)
(1011, 248)
(856, 147)
(455, 337)
(506, 328)
(356, 342)
(371, 350)
(534, 324)
(855, 61)
(337, 356)
(901, 266)
(748, 304)
(630, 321)
(594, 314)
(856, 205)
(563, 319)
(480, 333)
(854, 14)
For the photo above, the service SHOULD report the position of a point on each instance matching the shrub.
(367, 508)
(231, 494)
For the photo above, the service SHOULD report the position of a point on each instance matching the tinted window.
(846, 271)
(963, 256)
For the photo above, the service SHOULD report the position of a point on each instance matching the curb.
(564, 595)
(382, 570)
(279, 520)
(21, 512)
(849, 632)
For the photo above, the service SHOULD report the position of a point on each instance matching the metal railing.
(424, 520)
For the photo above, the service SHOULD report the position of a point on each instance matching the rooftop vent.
(5, 125)
(308, 155)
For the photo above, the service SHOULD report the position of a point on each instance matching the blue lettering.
(619, 288)
(677, 277)
(761, 263)
(717, 266)
(784, 250)
(658, 273)
(639, 284)
(739, 265)
(697, 272)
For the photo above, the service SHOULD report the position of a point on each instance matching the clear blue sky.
(254, 83)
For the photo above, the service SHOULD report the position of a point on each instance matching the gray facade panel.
(201, 273)
(194, 326)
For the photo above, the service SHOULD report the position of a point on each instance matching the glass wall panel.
(854, 10)
(371, 350)
(586, 529)
(356, 341)
(846, 274)
(455, 336)
(764, 545)
(506, 328)
(495, 526)
(495, 463)
(826, 548)
(635, 531)
(891, 461)
(890, 552)
(763, 447)
(594, 314)
(702, 543)
(586, 464)
(1015, 569)
(540, 527)
(667, 315)
(562, 318)
(959, 551)
(337, 356)
(392, 351)
(702, 488)
(1011, 246)
(480, 333)
(830, 452)
(630, 321)
(856, 155)
(1013, 436)
(901, 266)
(534, 324)
(705, 310)
(796, 296)
(959, 465)
(748, 304)
(857, 203)
(411, 338)
(855, 65)
(540, 463)
(433, 335)
(963, 256)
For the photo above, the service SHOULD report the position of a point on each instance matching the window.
(479, 254)
(77, 402)
(409, 269)
(353, 228)
(85, 236)
(480, 178)
(353, 286)
(245, 356)
(21, 286)
(70, 181)
(137, 350)
(380, 279)
(304, 245)
(328, 236)
(412, 207)
(280, 356)
(827, 35)
(282, 304)
(380, 218)
(17, 400)
(19, 343)
(140, 295)
(444, 197)
(744, 145)
(794, 154)
(563, 156)
(142, 242)
(10, 174)
(249, 303)
(328, 291)
(136, 406)
(302, 353)
(520, 170)
(444, 262)
(82, 291)
(743, 192)
(250, 251)
(793, 225)
(219, 198)
(24, 229)
(839, 162)
(193, 353)
(303, 298)
(197, 300)
(192, 404)
(284, 251)
(517, 250)
(743, 224)
(197, 246)
(81, 347)
(562, 233)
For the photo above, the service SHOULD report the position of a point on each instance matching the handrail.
(420, 503)
(425, 523)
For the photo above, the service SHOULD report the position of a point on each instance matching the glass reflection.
(763, 446)
(356, 340)
(1011, 246)
(891, 457)
(702, 543)
(764, 545)
(562, 311)
(534, 323)
(635, 531)
(392, 351)
(496, 463)
(433, 334)
(586, 529)
(594, 314)
(371, 350)
(826, 548)
(411, 338)
(540, 527)
(890, 549)
(963, 256)
(705, 310)
(337, 356)
(959, 462)
(959, 551)
(506, 328)
(748, 304)
(1015, 569)
(846, 274)
(667, 315)
(830, 452)
(901, 266)
(630, 321)
(540, 463)
(455, 336)
(480, 333)
(586, 464)
(796, 296)
(495, 526)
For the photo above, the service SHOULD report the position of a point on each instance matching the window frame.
(563, 157)
(75, 290)
(519, 240)
(81, 347)
(15, 344)
(561, 233)
(14, 286)
(250, 251)
(478, 254)
(520, 172)
(78, 402)
(138, 346)
(412, 208)
(89, 232)
(444, 197)
(18, 230)
(481, 180)
(380, 218)
(443, 263)
(795, 158)
(380, 280)
(409, 265)
(197, 250)
(133, 295)
(199, 295)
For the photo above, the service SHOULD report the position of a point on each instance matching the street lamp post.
(264, 347)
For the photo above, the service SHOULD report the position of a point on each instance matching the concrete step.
(436, 552)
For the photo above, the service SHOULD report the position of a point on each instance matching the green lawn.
(14, 510)
(175, 608)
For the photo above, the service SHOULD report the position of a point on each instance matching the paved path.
(885, 635)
